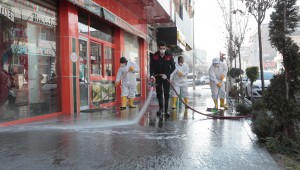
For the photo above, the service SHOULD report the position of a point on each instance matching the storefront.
(29, 85)
(62, 57)
(103, 38)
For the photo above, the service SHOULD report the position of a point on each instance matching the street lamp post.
(194, 84)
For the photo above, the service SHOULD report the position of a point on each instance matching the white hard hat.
(216, 61)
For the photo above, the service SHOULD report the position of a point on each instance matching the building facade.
(62, 56)
(268, 52)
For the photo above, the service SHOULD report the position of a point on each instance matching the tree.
(252, 74)
(258, 9)
(283, 23)
(281, 102)
(235, 35)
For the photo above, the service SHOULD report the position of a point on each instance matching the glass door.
(84, 80)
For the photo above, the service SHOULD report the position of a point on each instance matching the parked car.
(256, 88)
(204, 80)
(190, 79)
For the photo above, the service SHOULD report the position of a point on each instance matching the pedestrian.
(216, 77)
(161, 66)
(179, 82)
(127, 74)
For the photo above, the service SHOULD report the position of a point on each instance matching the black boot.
(160, 111)
(167, 114)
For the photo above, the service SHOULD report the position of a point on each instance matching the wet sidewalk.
(114, 139)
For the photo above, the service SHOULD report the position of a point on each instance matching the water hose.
(204, 114)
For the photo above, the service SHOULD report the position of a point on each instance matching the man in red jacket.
(161, 67)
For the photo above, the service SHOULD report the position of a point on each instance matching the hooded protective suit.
(129, 80)
(217, 71)
(179, 80)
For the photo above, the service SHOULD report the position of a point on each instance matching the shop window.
(102, 92)
(83, 23)
(101, 30)
(29, 79)
(83, 74)
(95, 58)
(109, 61)
(132, 54)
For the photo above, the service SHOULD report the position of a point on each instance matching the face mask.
(180, 64)
(216, 65)
(162, 52)
(123, 65)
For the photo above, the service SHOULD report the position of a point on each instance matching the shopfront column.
(144, 69)
(119, 50)
(68, 33)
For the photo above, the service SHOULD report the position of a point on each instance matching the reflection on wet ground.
(113, 139)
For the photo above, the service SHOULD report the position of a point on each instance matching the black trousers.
(163, 86)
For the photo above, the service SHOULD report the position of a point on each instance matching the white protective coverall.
(215, 77)
(129, 80)
(180, 83)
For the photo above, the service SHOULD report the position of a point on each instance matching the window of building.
(29, 73)
(100, 37)
(109, 61)
(96, 59)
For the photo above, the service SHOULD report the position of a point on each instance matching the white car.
(190, 79)
(204, 80)
(256, 87)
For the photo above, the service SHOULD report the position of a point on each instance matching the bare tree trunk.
(261, 64)
(234, 62)
(240, 77)
(230, 44)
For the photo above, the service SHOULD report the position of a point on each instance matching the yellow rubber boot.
(131, 105)
(215, 109)
(173, 115)
(222, 103)
(186, 100)
(216, 103)
(174, 100)
(123, 102)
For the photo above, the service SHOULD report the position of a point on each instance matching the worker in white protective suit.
(179, 81)
(126, 74)
(216, 77)
(224, 69)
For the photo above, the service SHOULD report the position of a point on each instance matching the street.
(110, 139)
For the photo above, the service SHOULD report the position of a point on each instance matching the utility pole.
(228, 81)
(194, 51)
